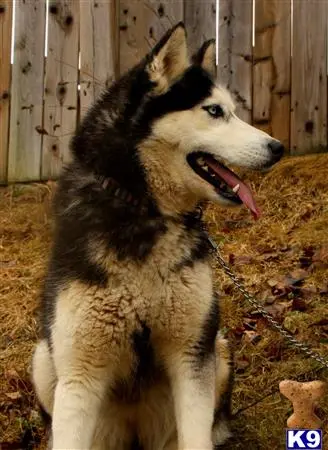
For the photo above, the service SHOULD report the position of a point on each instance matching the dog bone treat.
(304, 397)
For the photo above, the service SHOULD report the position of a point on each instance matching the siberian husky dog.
(130, 355)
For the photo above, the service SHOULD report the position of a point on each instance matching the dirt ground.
(282, 258)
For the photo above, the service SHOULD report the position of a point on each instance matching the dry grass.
(294, 201)
(24, 242)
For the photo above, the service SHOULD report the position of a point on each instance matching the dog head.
(169, 116)
(195, 131)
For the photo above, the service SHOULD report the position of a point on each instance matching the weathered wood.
(281, 54)
(26, 92)
(60, 86)
(5, 70)
(271, 70)
(309, 77)
(241, 57)
(142, 24)
(97, 49)
(224, 60)
(200, 19)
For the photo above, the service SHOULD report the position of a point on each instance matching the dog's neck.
(142, 205)
(164, 180)
(113, 188)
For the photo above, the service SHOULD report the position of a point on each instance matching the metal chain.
(251, 299)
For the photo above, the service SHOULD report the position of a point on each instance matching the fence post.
(241, 57)
(199, 18)
(5, 70)
(142, 24)
(309, 77)
(271, 70)
(26, 126)
(97, 49)
(60, 85)
(224, 60)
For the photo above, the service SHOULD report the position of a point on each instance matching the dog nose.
(276, 149)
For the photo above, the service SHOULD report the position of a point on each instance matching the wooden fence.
(272, 56)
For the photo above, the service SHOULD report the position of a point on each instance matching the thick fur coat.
(130, 355)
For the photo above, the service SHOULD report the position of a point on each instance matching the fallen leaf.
(272, 282)
(308, 290)
(306, 258)
(251, 337)
(261, 325)
(321, 322)
(308, 211)
(296, 277)
(321, 255)
(266, 297)
(318, 266)
(250, 323)
(241, 364)
(281, 288)
(320, 258)
(238, 331)
(290, 324)
(243, 259)
(11, 374)
(277, 310)
(308, 251)
(229, 289)
(283, 285)
(299, 304)
(14, 395)
(272, 256)
(274, 351)
(264, 248)
(18, 382)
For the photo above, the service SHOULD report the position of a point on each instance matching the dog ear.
(168, 59)
(205, 57)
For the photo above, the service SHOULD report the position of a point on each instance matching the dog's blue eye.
(214, 110)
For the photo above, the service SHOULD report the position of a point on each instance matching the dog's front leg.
(193, 384)
(76, 409)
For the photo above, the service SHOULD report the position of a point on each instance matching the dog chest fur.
(162, 292)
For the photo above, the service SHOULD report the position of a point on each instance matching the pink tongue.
(244, 192)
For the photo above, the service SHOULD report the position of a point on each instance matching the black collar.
(143, 205)
(112, 187)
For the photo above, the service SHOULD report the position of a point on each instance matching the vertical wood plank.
(26, 92)
(6, 8)
(60, 86)
(241, 57)
(309, 79)
(271, 70)
(224, 60)
(281, 56)
(97, 49)
(200, 19)
(142, 24)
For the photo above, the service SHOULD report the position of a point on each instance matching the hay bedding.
(283, 258)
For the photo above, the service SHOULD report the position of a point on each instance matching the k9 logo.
(304, 439)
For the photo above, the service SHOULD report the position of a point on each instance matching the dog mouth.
(225, 182)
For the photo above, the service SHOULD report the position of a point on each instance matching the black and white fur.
(130, 355)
